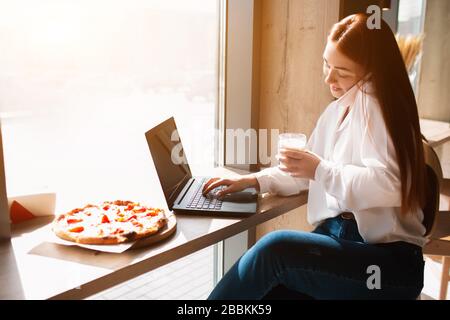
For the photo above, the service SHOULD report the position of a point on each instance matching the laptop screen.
(169, 159)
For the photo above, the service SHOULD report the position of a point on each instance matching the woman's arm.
(275, 181)
(270, 180)
(358, 188)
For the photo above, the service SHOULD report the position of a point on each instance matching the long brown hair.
(377, 51)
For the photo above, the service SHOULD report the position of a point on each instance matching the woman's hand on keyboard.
(230, 185)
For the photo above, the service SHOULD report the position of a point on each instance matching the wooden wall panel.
(293, 220)
(291, 87)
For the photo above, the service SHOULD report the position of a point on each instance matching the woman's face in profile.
(341, 73)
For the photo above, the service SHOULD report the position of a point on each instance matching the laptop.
(182, 191)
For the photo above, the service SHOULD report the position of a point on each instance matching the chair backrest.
(434, 178)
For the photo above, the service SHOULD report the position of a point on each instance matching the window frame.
(5, 229)
(237, 107)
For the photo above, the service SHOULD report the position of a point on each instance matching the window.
(411, 16)
(82, 81)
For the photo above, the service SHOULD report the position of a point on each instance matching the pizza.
(110, 222)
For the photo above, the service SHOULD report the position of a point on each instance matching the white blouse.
(358, 173)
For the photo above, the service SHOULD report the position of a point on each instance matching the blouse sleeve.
(376, 182)
(275, 181)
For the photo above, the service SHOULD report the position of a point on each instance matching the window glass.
(411, 17)
(82, 81)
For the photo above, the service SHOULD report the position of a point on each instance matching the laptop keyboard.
(198, 201)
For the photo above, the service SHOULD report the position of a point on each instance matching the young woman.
(365, 171)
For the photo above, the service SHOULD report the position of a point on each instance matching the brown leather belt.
(347, 216)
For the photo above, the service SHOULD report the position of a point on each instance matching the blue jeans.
(332, 262)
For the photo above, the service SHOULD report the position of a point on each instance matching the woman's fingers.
(215, 184)
(210, 185)
(232, 185)
(287, 161)
(292, 172)
(289, 168)
(230, 189)
(299, 155)
(207, 184)
(290, 163)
